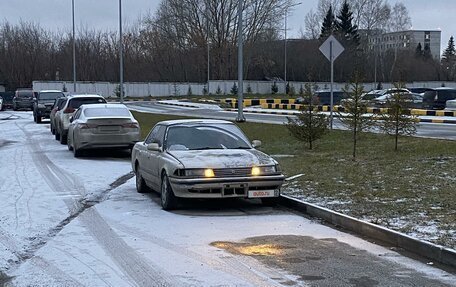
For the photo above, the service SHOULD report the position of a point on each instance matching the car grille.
(232, 172)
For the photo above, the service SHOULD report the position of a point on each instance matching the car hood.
(223, 158)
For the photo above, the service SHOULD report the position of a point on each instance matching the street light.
(121, 52)
(208, 47)
(74, 49)
(285, 44)
(240, 116)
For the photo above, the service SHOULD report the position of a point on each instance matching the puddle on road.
(324, 262)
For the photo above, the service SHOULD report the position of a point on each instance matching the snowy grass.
(412, 190)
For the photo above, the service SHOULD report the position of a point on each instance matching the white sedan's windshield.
(210, 136)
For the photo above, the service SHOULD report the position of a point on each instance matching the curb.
(434, 121)
(179, 105)
(422, 248)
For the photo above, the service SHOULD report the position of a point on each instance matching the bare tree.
(371, 14)
(399, 19)
(312, 22)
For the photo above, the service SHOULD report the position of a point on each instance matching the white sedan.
(204, 159)
(102, 126)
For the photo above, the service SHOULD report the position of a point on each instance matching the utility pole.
(121, 52)
(74, 49)
(285, 46)
(208, 47)
(240, 116)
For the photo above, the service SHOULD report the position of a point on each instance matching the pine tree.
(309, 125)
(419, 51)
(345, 25)
(449, 60)
(234, 89)
(427, 51)
(329, 24)
(398, 121)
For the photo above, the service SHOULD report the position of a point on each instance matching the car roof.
(193, 121)
(104, 105)
(84, 96)
(50, 91)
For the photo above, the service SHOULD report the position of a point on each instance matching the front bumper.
(225, 187)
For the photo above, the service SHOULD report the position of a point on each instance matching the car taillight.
(69, 110)
(131, 125)
(87, 126)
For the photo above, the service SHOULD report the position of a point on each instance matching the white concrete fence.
(161, 89)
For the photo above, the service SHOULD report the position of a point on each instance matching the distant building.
(406, 40)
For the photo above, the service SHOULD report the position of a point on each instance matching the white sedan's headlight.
(261, 170)
(200, 172)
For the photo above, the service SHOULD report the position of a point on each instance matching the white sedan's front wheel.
(141, 186)
(168, 199)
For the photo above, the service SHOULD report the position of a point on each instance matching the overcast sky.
(103, 14)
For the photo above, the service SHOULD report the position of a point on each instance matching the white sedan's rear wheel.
(141, 185)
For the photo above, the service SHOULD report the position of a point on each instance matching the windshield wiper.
(205, 148)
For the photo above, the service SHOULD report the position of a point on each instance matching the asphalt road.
(80, 222)
(431, 130)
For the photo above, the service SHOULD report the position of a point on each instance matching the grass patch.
(412, 190)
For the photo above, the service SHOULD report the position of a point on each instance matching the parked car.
(437, 98)
(450, 105)
(419, 90)
(1, 103)
(62, 119)
(203, 159)
(43, 103)
(102, 126)
(7, 99)
(23, 99)
(366, 98)
(412, 100)
(56, 108)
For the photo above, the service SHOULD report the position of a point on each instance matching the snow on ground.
(41, 184)
(127, 239)
(196, 105)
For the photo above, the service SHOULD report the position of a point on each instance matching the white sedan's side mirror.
(256, 143)
(153, 147)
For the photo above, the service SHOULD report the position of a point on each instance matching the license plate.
(109, 128)
(261, 193)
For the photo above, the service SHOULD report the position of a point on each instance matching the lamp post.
(208, 47)
(121, 52)
(240, 116)
(74, 48)
(285, 46)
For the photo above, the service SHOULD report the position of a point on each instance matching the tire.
(38, 120)
(270, 201)
(70, 148)
(168, 199)
(77, 152)
(57, 135)
(34, 118)
(141, 186)
(52, 129)
(63, 138)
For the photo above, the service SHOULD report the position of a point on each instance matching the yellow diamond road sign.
(331, 43)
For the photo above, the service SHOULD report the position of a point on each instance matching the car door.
(154, 163)
(144, 156)
(73, 127)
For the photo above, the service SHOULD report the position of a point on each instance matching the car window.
(25, 94)
(156, 135)
(211, 136)
(49, 96)
(446, 95)
(77, 114)
(77, 102)
(107, 112)
(62, 104)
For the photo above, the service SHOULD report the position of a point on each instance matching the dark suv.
(436, 98)
(43, 103)
(23, 99)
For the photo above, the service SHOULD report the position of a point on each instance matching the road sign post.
(332, 49)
